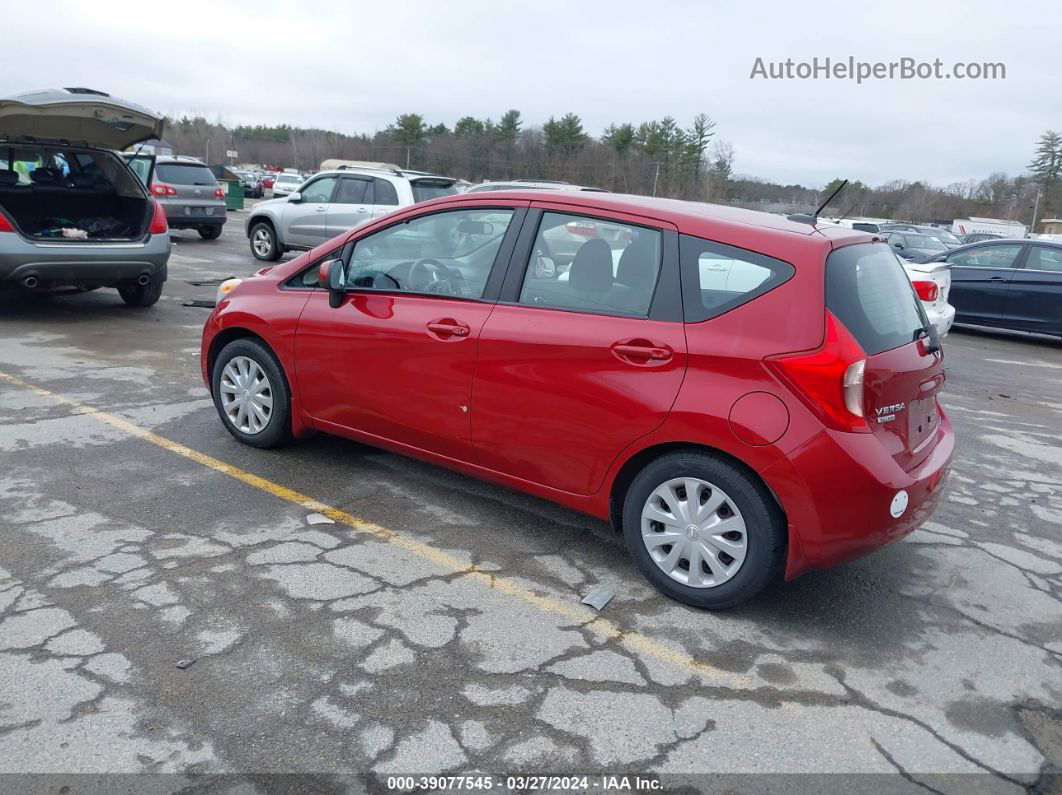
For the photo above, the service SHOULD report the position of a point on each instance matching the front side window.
(1042, 258)
(320, 190)
(592, 265)
(987, 256)
(448, 253)
(717, 278)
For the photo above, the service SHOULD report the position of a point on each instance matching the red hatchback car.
(741, 394)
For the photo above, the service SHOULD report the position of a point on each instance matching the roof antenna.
(812, 219)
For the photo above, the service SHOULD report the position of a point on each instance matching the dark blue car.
(1011, 284)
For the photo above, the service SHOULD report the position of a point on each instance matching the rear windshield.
(868, 290)
(184, 174)
(288, 178)
(422, 191)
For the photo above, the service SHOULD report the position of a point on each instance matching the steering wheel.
(431, 276)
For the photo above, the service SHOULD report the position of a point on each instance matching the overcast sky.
(354, 66)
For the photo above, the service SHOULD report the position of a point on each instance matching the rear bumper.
(189, 214)
(837, 490)
(942, 319)
(82, 263)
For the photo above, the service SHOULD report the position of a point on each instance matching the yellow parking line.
(577, 613)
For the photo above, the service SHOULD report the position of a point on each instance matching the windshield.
(924, 241)
(868, 291)
(422, 191)
(945, 236)
(184, 174)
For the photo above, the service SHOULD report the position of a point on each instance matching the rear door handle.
(448, 328)
(650, 352)
(996, 278)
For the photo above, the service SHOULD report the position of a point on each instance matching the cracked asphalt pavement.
(441, 631)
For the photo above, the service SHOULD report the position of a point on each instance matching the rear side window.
(386, 195)
(717, 278)
(184, 174)
(868, 290)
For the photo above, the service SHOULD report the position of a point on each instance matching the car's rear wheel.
(702, 530)
(141, 295)
(264, 243)
(251, 394)
(211, 232)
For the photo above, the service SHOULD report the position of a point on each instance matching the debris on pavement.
(319, 518)
(203, 304)
(182, 664)
(599, 597)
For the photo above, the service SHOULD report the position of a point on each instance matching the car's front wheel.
(251, 394)
(702, 530)
(264, 244)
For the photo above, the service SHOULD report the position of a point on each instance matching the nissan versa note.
(742, 395)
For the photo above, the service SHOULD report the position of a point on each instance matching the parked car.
(267, 180)
(1008, 283)
(76, 215)
(251, 184)
(978, 237)
(187, 190)
(285, 184)
(941, 234)
(772, 411)
(915, 246)
(332, 202)
(932, 284)
(527, 184)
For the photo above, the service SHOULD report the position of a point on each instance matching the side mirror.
(295, 197)
(898, 245)
(331, 276)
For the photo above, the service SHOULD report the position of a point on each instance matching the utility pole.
(656, 177)
(1036, 209)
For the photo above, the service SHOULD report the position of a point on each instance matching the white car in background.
(285, 184)
(932, 282)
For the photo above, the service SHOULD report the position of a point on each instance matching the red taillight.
(927, 291)
(158, 221)
(581, 229)
(5, 225)
(160, 189)
(219, 193)
(830, 380)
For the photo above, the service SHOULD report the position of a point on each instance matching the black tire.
(212, 232)
(765, 528)
(277, 430)
(141, 295)
(265, 230)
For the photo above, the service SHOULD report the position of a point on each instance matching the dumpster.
(233, 193)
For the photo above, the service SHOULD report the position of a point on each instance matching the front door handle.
(320, 208)
(448, 328)
(996, 278)
(653, 353)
